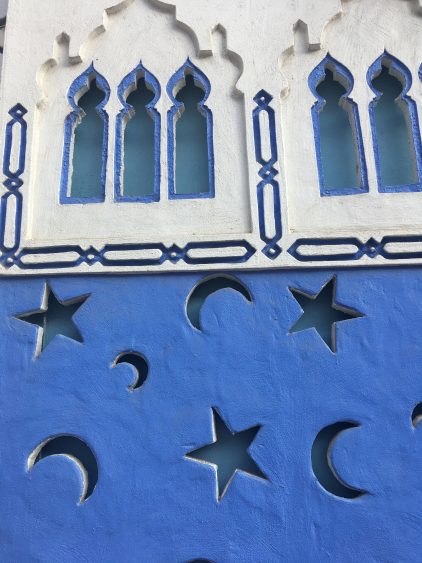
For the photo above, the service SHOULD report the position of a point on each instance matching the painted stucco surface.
(151, 503)
(257, 206)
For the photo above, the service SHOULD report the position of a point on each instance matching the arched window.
(138, 130)
(395, 128)
(190, 135)
(86, 140)
(338, 137)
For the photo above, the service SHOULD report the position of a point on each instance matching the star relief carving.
(321, 312)
(54, 317)
(228, 454)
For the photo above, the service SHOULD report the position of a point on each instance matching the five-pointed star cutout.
(321, 312)
(53, 318)
(228, 453)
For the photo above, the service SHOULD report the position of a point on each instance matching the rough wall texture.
(272, 413)
(153, 504)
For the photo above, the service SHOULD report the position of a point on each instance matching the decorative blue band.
(268, 174)
(72, 256)
(372, 248)
(16, 132)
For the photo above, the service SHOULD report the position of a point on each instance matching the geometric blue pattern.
(371, 248)
(151, 503)
(268, 174)
(16, 132)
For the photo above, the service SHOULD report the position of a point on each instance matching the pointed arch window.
(395, 128)
(190, 135)
(85, 151)
(138, 131)
(337, 131)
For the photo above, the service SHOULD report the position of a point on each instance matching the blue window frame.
(175, 87)
(338, 136)
(78, 118)
(395, 126)
(139, 78)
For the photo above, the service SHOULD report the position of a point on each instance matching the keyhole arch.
(85, 152)
(196, 100)
(395, 126)
(190, 133)
(138, 138)
(337, 131)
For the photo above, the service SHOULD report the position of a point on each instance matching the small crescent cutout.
(322, 465)
(76, 450)
(417, 415)
(207, 287)
(138, 363)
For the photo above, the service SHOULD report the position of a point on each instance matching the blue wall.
(151, 503)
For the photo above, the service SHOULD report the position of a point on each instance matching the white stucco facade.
(267, 210)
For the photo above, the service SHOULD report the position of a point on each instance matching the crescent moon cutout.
(76, 450)
(417, 415)
(138, 363)
(322, 464)
(207, 287)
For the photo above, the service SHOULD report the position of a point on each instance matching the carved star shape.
(228, 454)
(54, 317)
(322, 312)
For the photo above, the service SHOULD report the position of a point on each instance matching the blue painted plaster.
(151, 503)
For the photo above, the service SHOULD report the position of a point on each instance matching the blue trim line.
(268, 174)
(372, 248)
(199, 77)
(81, 82)
(315, 78)
(92, 255)
(403, 71)
(15, 128)
(131, 80)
